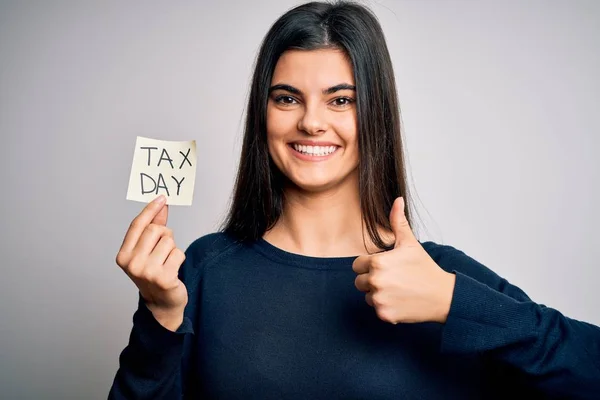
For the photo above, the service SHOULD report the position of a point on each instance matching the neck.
(322, 224)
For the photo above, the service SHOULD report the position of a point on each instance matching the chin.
(311, 185)
(315, 188)
(319, 184)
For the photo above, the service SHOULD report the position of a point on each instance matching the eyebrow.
(333, 89)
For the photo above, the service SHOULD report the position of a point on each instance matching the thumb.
(399, 223)
(162, 216)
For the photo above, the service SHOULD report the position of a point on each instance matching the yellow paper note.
(163, 167)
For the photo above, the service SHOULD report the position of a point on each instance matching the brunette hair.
(258, 198)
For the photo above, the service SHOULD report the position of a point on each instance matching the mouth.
(313, 152)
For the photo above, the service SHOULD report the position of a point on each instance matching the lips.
(313, 153)
(313, 143)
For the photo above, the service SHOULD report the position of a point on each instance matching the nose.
(313, 121)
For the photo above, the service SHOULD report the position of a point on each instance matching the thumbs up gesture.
(404, 284)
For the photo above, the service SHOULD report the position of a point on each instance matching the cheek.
(273, 130)
(348, 131)
(279, 123)
(278, 127)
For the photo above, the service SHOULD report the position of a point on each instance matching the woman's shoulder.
(206, 249)
(456, 261)
(209, 246)
(452, 259)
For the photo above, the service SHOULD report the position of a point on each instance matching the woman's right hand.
(150, 258)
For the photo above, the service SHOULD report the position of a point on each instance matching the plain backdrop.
(500, 103)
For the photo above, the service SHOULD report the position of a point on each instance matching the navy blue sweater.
(263, 323)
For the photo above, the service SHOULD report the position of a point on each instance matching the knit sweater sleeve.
(150, 365)
(155, 362)
(559, 356)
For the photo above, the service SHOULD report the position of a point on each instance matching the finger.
(361, 264)
(150, 237)
(399, 223)
(174, 261)
(140, 223)
(162, 250)
(369, 298)
(362, 282)
(154, 267)
(162, 216)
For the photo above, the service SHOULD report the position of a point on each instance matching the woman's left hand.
(404, 284)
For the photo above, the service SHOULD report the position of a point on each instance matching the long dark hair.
(258, 197)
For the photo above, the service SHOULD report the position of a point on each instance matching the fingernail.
(160, 199)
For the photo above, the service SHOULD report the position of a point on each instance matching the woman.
(317, 287)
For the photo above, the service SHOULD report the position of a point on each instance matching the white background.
(500, 103)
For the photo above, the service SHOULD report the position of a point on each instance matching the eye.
(342, 101)
(285, 100)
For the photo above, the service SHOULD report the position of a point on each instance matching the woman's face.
(311, 119)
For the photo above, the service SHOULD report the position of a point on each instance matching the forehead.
(318, 69)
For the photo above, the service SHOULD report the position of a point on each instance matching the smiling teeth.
(314, 150)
